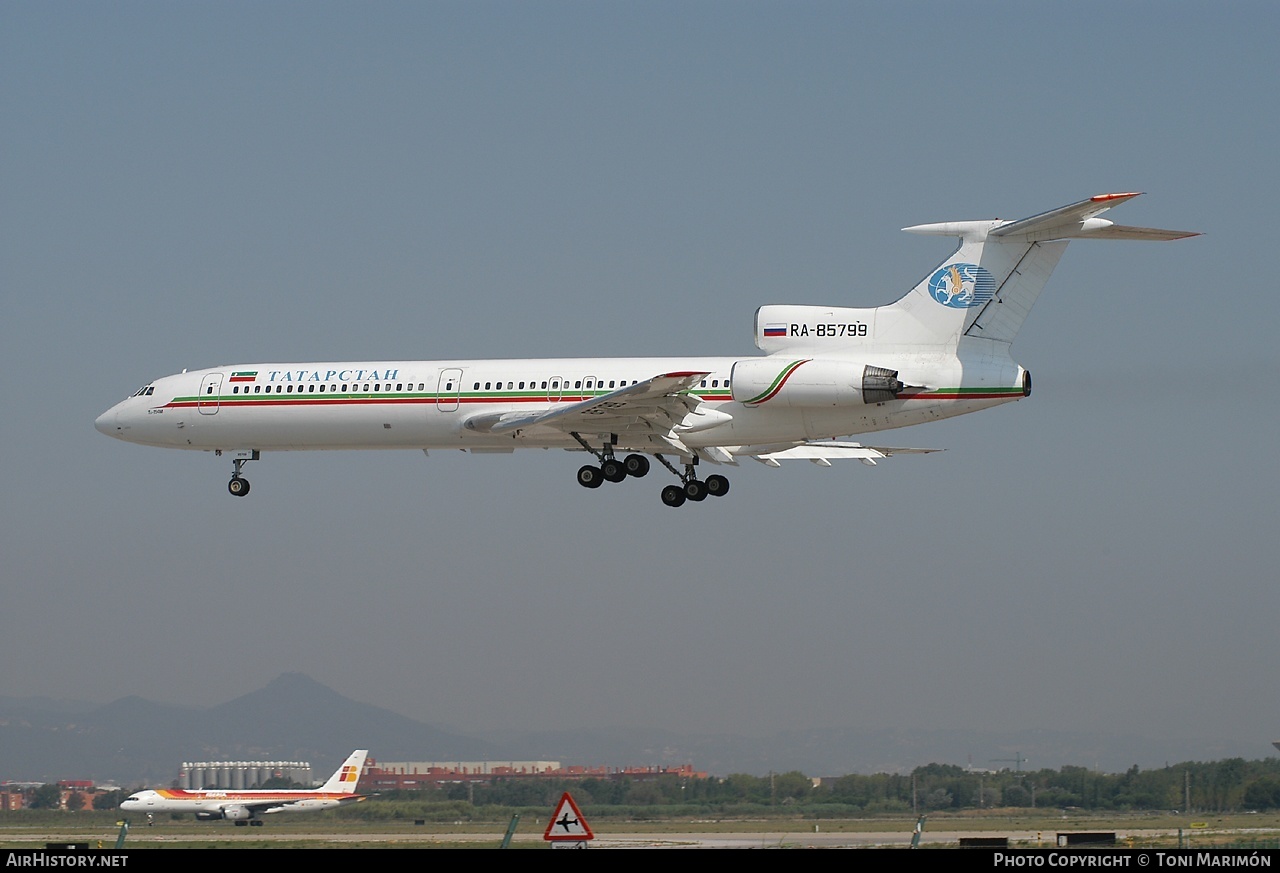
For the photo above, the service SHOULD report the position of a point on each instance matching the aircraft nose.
(106, 423)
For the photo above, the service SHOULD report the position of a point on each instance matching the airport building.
(239, 775)
(14, 796)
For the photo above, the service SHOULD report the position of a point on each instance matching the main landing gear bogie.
(695, 489)
(612, 470)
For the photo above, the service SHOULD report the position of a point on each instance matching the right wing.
(823, 452)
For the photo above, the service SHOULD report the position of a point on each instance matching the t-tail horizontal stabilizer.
(1076, 221)
(989, 284)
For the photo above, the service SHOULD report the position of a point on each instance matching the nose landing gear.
(239, 486)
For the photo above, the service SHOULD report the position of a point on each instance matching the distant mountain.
(132, 741)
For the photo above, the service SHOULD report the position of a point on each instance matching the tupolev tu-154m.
(826, 374)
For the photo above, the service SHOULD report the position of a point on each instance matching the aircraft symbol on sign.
(567, 822)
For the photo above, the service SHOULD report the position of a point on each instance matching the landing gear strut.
(239, 486)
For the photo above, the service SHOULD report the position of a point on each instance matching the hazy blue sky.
(186, 185)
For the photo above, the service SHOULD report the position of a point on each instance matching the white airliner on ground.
(244, 807)
(826, 373)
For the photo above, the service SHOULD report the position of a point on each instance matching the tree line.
(1229, 785)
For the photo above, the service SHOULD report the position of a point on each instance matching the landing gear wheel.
(637, 465)
(242, 824)
(238, 487)
(717, 485)
(613, 470)
(255, 823)
(695, 490)
(673, 495)
(590, 477)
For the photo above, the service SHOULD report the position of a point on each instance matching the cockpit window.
(145, 391)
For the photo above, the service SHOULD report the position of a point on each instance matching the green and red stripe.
(776, 386)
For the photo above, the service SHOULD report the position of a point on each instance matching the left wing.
(304, 804)
(656, 404)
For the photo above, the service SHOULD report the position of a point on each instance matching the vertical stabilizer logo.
(961, 286)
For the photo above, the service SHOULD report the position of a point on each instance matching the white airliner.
(244, 807)
(826, 374)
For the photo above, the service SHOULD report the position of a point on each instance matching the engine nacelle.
(236, 813)
(811, 383)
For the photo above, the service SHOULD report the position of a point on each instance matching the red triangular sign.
(567, 822)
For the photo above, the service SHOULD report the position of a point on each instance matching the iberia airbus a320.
(826, 373)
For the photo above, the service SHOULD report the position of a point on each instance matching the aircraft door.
(588, 386)
(555, 389)
(449, 389)
(210, 394)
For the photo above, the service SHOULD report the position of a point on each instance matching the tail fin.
(989, 284)
(344, 779)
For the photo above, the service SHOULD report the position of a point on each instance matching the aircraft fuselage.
(427, 404)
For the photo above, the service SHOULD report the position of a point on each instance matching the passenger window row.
(553, 385)
(532, 385)
(333, 389)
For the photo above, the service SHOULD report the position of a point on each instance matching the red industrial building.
(414, 775)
